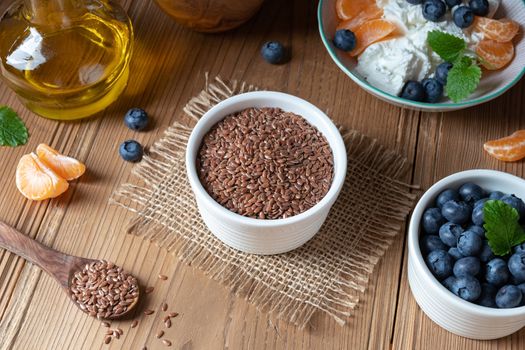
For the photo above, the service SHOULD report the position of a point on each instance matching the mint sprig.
(13, 131)
(465, 75)
(502, 227)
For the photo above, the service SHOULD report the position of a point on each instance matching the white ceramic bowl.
(492, 85)
(265, 236)
(447, 310)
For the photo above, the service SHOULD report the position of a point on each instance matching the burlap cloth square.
(327, 274)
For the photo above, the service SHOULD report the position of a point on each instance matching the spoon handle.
(50, 260)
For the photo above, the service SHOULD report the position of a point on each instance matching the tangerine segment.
(498, 30)
(36, 181)
(66, 167)
(508, 149)
(371, 12)
(348, 9)
(371, 32)
(495, 55)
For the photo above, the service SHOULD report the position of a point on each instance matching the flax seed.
(134, 324)
(167, 323)
(166, 342)
(159, 334)
(149, 290)
(173, 314)
(164, 306)
(107, 339)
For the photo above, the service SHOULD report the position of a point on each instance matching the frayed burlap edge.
(339, 302)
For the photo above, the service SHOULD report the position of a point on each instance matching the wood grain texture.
(167, 69)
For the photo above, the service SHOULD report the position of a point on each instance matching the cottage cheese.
(388, 65)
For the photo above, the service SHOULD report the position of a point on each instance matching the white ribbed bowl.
(493, 84)
(447, 310)
(265, 236)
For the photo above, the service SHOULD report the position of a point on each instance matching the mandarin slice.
(371, 32)
(36, 181)
(494, 55)
(369, 13)
(498, 30)
(67, 167)
(348, 9)
(508, 149)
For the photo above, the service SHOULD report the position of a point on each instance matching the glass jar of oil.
(66, 59)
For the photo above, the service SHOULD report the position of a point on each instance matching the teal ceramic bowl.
(493, 84)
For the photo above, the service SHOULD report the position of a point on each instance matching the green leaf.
(13, 131)
(502, 227)
(463, 79)
(447, 46)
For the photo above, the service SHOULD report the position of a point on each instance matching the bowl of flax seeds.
(265, 168)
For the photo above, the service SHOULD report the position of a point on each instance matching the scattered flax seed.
(166, 318)
(163, 277)
(149, 312)
(116, 334)
(159, 334)
(149, 290)
(109, 332)
(145, 348)
(164, 306)
(173, 314)
(107, 339)
(166, 342)
(120, 331)
(106, 324)
(168, 323)
(134, 324)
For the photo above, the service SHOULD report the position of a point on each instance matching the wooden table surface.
(168, 68)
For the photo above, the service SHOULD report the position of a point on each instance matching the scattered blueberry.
(440, 263)
(136, 119)
(456, 212)
(448, 282)
(497, 272)
(467, 288)
(434, 10)
(131, 151)
(478, 215)
(496, 195)
(345, 40)
(471, 193)
(516, 203)
(432, 220)
(433, 90)
(454, 252)
(508, 296)
(429, 243)
(519, 248)
(463, 17)
(517, 266)
(452, 3)
(479, 7)
(486, 253)
(522, 289)
(442, 72)
(468, 266)
(480, 231)
(449, 233)
(445, 196)
(469, 243)
(414, 91)
(274, 52)
(481, 201)
(488, 295)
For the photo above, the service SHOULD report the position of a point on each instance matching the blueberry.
(454, 252)
(433, 90)
(136, 119)
(519, 248)
(414, 91)
(434, 10)
(508, 296)
(432, 220)
(497, 272)
(449, 233)
(345, 40)
(469, 243)
(486, 253)
(415, 2)
(273, 52)
(471, 193)
(463, 17)
(445, 196)
(448, 282)
(468, 266)
(429, 243)
(522, 289)
(482, 201)
(517, 266)
(467, 288)
(480, 231)
(440, 263)
(442, 72)
(478, 215)
(488, 295)
(479, 7)
(452, 3)
(131, 151)
(516, 203)
(496, 195)
(456, 212)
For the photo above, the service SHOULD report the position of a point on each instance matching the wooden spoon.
(60, 266)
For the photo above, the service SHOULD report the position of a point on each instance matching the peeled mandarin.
(498, 30)
(507, 149)
(371, 32)
(494, 55)
(36, 181)
(348, 9)
(371, 12)
(67, 167)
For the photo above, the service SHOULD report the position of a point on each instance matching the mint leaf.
(13, 131)
(463, 79)
(447, 46)
(503, 230)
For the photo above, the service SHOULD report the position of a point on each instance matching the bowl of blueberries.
(466, 243)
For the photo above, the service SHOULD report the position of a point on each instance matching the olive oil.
(66, 59)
